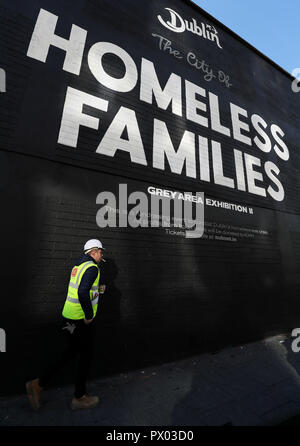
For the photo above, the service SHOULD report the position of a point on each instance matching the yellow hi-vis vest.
(72, 308)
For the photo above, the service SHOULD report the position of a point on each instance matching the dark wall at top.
(167, 296)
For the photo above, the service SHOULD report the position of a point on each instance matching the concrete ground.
(256, 384)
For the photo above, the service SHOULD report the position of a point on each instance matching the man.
(78, 313)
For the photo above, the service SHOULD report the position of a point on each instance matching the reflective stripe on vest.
(75, 301)
(72, 308)
(72, 285)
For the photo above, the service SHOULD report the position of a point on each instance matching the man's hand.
(102, 289)
(88, 321)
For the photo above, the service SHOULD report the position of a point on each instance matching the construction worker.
(78, 313)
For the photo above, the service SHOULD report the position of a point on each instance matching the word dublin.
(178, 25)
(133, 210)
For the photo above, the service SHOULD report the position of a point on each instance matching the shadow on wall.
(109, 343)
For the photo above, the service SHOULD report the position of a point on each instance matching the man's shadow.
(108, 345)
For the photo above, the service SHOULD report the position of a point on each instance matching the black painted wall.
(167, 296)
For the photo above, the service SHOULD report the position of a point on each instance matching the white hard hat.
(93, 243)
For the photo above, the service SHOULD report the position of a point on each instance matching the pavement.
(256, 384)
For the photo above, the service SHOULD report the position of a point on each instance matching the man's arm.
(86, 284)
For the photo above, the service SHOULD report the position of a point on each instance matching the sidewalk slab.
(251, 385)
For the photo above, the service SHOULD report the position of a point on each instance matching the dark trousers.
(79, 344)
